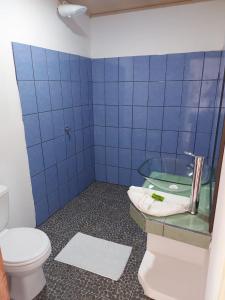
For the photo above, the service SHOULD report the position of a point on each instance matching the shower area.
(101, 119)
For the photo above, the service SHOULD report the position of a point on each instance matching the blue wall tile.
(222, 65)
(112, 136)
(42, 212)
(185, 142)
(211, 65)
(75, 89)
(100, 155)
(51, 176)
(188, 119)
(139, 117)
(139, 139)
(193, 66)
(171, 118)
(49, 153)
(205, 120)
(46, 126)
(138, 157)
(125, 137)
(53, 64)
(55, 94)
(126, 68)
(173, 93)
(157, 67)
(124, 176)
(58, 122)
(169, 141)
(100, 172)
(141, 68)
(84, 69)
(156, 93)
(53, 202)
(155, 118)
(125, 93)
(32, 129)
(125, 158)
(70, 145)
(64, 194)
(208, 93)
(79, 140)
(112, 174)
(27, 97)
(35, 157)
(111, 93)
(99, 115)
(74, 67)
(136, 178)
(111, 69)
(68, 118)
(98, 70)
(43, 96)
(67, 94)
(202, 144)
(38, 187)
(125, 116)
(77, 117)
(153, 140)
(98, 93)
(140, 93)
(39, 63)
(60, 148)
(23, 61)
(175, 67)
(112, 116)
(64, 65)
(112, 156)
(99, 136)
(191, 93)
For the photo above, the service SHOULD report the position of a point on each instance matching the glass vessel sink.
(172, 174)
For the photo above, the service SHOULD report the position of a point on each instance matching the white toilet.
(24, 251)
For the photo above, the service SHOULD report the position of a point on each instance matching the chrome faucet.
(196, 182)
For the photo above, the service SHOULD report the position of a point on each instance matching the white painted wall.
(217, 255)
(184, 28)
(32, 22)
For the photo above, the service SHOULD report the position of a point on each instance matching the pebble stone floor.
(102, 210)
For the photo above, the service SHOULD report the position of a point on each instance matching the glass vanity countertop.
(191, 229)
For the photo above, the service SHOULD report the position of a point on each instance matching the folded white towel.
(172, 204)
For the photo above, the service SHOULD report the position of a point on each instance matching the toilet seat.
(24, 247)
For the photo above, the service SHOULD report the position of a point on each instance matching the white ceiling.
(104, 7)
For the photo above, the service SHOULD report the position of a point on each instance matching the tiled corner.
(50, 85)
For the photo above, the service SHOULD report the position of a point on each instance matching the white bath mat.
(96, 255)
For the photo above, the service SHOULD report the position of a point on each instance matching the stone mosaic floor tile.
(102, 211)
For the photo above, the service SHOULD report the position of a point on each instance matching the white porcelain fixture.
(173, 270)
(24, 251)
(69, 10)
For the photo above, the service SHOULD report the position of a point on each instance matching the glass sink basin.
(172, 174)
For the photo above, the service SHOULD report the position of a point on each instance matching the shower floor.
(102, 210)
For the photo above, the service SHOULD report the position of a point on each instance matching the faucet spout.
(196, 183)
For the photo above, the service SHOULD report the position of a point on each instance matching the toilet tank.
(4, 207)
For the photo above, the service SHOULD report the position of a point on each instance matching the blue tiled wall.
(56, 91)
(120, 111)
(149, 106)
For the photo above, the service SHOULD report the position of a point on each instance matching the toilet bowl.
(24, 251)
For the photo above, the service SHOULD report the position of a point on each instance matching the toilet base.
(26, 286)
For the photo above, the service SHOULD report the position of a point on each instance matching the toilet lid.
(20, 245)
